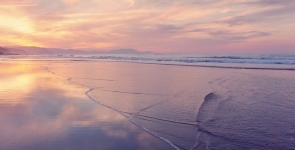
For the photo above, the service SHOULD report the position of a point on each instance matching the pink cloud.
(160, 26)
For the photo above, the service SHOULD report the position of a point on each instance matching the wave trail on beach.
(165, 120)
(130, 118)
(135, 93)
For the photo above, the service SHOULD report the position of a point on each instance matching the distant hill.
(11, 51)
(34, 50)
(22, 50)
(128, 51)
(4, 51)
(69, 51)
(18, 51)
(117, 51)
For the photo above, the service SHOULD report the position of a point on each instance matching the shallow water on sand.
(42, 111)
(118, 105)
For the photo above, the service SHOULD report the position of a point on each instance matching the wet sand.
(40, 110)
(120, 105)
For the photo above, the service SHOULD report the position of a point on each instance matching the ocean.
(147, 102)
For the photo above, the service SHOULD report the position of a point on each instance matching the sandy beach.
(121, 105)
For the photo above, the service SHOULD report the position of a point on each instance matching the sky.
(163, 26)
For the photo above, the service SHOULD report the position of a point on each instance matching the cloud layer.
(203, 26)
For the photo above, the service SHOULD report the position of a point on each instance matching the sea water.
(213, 105)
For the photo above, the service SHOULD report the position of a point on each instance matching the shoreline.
(286, 67)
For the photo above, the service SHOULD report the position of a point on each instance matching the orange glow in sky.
(198, 26)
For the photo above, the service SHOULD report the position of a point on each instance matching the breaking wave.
(270, 62)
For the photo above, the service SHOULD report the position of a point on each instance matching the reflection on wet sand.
(41, 111)
(119, 105)
(148, 95)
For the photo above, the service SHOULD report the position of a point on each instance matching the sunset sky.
(192, 26)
